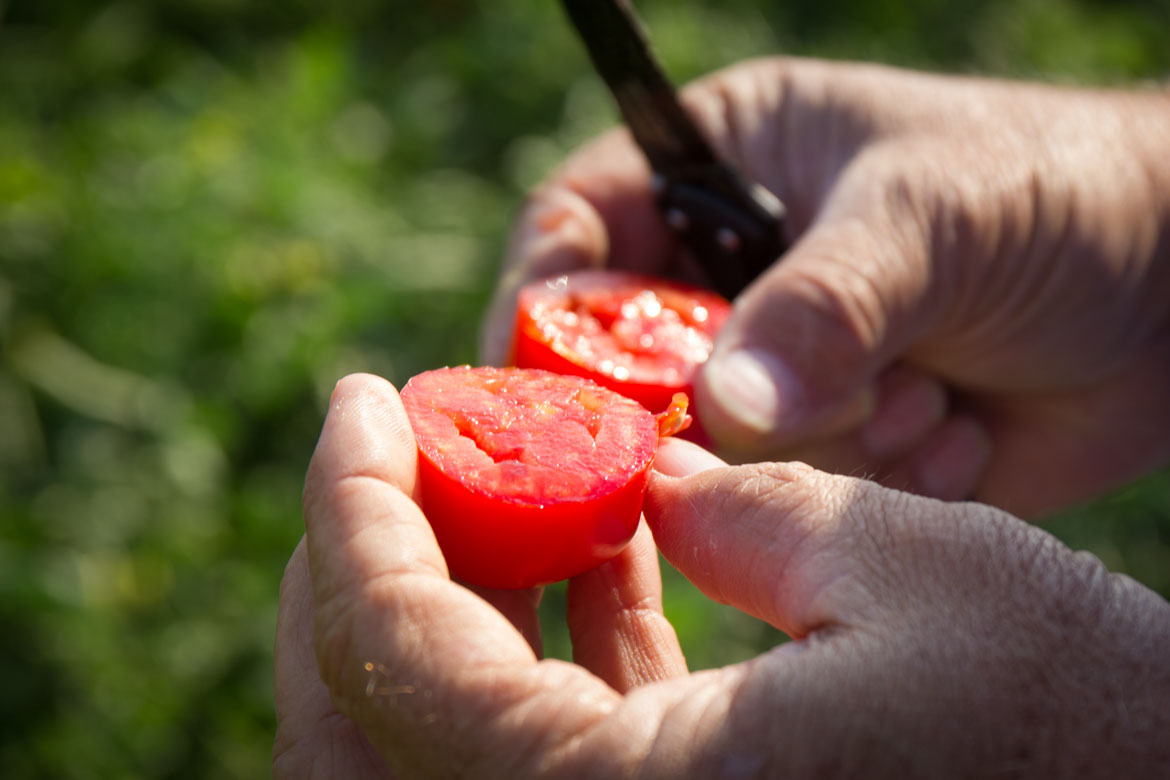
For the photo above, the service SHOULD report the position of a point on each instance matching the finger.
(364, 467)
(947, 463)
(910, 403)
(520, 608)
(950, 462)
(611, 174)
(909, 443)
(616, 622)
(781, 541)
(558, 232)
(399, 469)
(680, 458)
(1056, 449)
(436, 677)
(799, 356)
(596, 210)
(311, 738)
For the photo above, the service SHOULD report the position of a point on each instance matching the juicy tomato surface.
(527, 477)
(639, 335)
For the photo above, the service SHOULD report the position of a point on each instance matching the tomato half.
(528, 477)
(639, 335)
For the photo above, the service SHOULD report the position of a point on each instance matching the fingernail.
(677, 458)
(755, 389)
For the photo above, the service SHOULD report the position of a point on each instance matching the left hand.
(362, 482)
(934, 640)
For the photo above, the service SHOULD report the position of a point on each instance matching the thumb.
(799, 356)
(795, 547)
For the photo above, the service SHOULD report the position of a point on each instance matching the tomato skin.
(594, 299)
(527, 477)
(512, 545)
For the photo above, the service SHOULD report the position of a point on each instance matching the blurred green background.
(212, 209)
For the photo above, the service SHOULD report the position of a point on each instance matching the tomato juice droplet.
(526, 476)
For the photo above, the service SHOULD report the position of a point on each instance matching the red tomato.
(529, 477)
(639, 335)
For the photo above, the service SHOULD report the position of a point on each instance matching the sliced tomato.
(528, 477)
(639, 335)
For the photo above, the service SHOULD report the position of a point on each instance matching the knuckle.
(804, 551)
(841, 316)
(906, 546)
(769, 487)
(993, 571)
(841, 300)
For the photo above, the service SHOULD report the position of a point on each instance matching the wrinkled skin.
(936, 640)
(976, 299)
(975, 305)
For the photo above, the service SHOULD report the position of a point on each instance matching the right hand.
(936, 640)
(977, 298)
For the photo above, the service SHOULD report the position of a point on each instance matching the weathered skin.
(977, 296)
(937, 640)
(975, 304)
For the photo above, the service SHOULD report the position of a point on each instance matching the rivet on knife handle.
(733, 226)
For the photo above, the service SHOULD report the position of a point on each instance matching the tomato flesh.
(639, 335)
(675, 419)
(527, 477)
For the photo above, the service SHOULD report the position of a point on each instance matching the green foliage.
(211, 210)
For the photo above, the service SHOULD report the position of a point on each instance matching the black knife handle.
(733, 226)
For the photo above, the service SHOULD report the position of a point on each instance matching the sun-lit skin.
(936, 640)
(976, 303)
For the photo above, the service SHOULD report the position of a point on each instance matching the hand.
(361, 483)
(934, 639)
(977, 297)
